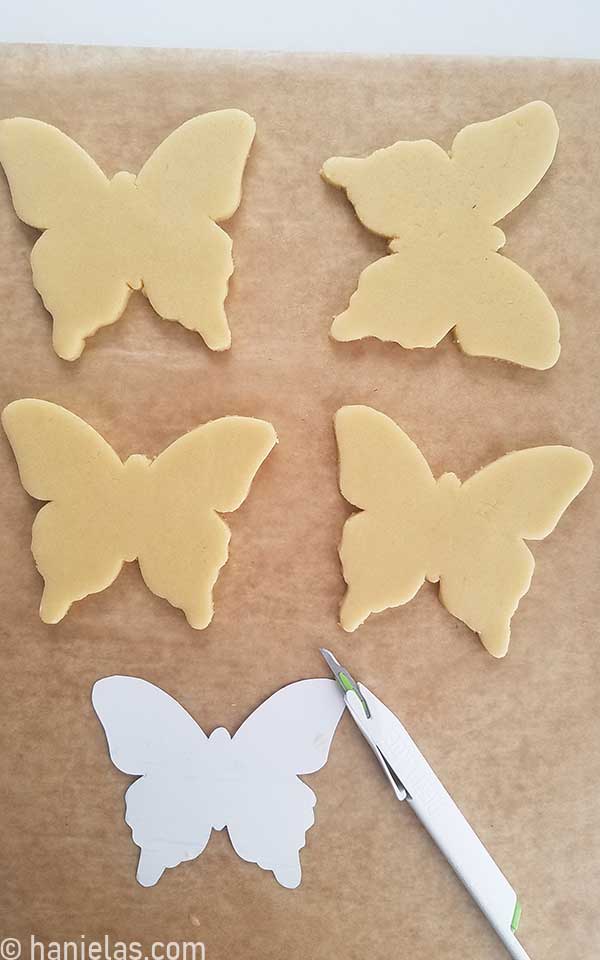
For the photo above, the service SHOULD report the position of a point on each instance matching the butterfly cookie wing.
(193, 179)
(185, 542)
(502, 312)
(393, 304)
(52, 179)
(396, 189)
(152, 737)
(288, 735)
(63, 460)
(58, 188)
(496, 308)
(198, 168)
(502, 160)
(519, 497)
(384, 551)
(492, 167)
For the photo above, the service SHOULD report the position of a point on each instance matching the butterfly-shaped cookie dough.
(445, 272)
(104, 512)
(155, 232)
(468, 536)
(190, 784)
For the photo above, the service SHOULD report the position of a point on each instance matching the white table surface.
(553, 28)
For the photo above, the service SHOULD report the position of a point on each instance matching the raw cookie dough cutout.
(155, 232)
(468, 536)
(439, 212)
(190, 783)
(103, 512)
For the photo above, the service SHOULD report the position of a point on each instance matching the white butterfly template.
(190, 784)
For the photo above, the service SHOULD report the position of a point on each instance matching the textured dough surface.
(439, 211)
(155, 232)
(104, 512)
(468, 536)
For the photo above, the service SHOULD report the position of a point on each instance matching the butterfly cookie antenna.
(449, 481)
(137, 460)
(136, 468)
(123, 186)
(122, 177)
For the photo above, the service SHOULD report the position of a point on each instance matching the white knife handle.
(441, 818)
(467, 855)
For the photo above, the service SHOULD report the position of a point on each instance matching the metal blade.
(343, 677)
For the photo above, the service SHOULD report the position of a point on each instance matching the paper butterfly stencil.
(104, 512)
(191, 784)
(468, 536)
(154, 232)
(445, 272)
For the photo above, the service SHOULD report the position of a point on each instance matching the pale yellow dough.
(439, 211)
(468, 536)
(104, 512)
(155, 232)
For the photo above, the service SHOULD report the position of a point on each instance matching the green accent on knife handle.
(345, 682)
(516, 919)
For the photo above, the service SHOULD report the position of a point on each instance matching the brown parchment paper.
(517, 742)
